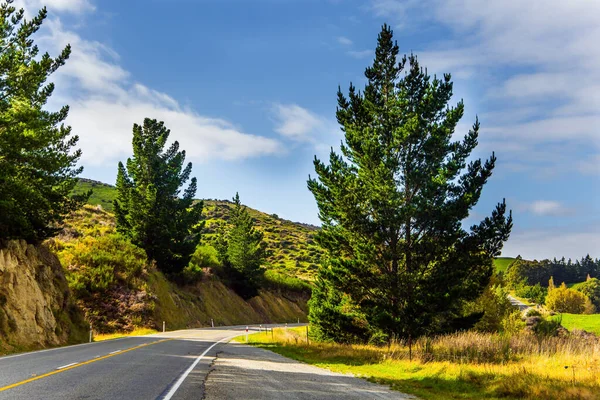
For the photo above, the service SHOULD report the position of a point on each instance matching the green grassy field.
(589, 323)
(502, 263)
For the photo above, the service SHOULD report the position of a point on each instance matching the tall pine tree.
(150, 208)
(392, 206)
(37, 157)
(242, 251)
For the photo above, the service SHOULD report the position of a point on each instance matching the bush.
(94, 264)
(565, 300)
(590, 288)
(535, 293)
(495, 306)
(280, 281)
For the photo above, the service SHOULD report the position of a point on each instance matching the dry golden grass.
(135, 332)
(461, 366)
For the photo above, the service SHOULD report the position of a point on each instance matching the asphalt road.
(249, 373)
(166, 366)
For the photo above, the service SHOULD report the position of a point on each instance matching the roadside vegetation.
(467, 365)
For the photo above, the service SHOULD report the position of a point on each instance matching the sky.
(248, 88)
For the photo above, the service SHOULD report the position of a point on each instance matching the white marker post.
(246, 334)
(91, 333)
(260, 328)
(212, 323)
(163, 326)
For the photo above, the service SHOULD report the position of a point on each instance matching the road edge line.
(185, 374)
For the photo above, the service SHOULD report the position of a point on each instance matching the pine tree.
(149, 208)
(242, 251)
(37, 157)
(392, 206)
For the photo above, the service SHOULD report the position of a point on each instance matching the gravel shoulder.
(245, 372)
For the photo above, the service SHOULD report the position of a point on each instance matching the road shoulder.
(242, 371)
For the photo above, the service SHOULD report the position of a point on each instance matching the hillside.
(291, 244)
(119, 290)
(502, 263)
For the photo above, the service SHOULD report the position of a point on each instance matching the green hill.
(502, 263)
(293, 251)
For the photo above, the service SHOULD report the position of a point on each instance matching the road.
(172, 365)
(518, 303)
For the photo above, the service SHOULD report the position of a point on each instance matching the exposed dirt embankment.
(36, 308)
(195, 306)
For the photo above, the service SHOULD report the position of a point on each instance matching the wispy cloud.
(105, 101)
(554, 41)
(344, 41)
(360, 53)
(296, 122)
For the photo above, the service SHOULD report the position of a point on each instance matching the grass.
(589, 322)
(502, 263)
(459, 366)
(135, 332)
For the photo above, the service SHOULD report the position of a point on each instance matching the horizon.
(250, 93)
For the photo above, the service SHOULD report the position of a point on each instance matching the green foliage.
(37, 156)
(535, 293)
(204, 257)
(392, 204)
(242, 251)
(291, 249)
(149, 209)
(561, 270)
(495, 306)
(565, 300)
(512, 323)
(276, 280)
(591, 289)
(96, 264)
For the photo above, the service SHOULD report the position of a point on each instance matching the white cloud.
(547, 207)
(549, 244)
(105, 101)
(555, 42)
(297, 123)
(59, 6)
(344, 41)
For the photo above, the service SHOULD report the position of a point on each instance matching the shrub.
(535, 293)
(590, 288)
(565, 300)
(94, 264)
(495, 306)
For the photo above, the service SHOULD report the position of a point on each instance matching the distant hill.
(502, 263)
(292, 246)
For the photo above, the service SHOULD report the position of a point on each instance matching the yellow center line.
(35, 378)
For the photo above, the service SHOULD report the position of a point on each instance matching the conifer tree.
(392, 206)
(150, 208)
(242, 251)
(37, 158)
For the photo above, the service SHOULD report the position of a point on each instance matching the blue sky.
(248, 88)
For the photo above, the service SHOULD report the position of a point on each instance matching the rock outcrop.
(36, 308)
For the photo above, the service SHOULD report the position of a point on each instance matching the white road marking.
(67, 366)
(116, 351)
(177, 384)
(62, 348)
